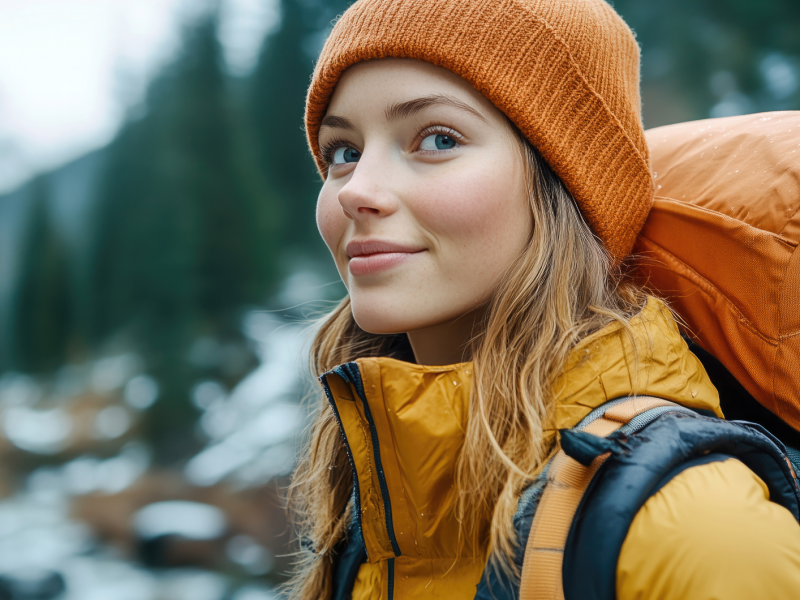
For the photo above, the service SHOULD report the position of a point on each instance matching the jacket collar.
(404, 424)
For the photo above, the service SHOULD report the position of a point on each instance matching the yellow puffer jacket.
(710, 533)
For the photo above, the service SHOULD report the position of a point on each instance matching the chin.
(384, 318)
(381, 322)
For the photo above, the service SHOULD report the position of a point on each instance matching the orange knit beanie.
(565, 72)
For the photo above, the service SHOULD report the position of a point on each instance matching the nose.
(368, 193)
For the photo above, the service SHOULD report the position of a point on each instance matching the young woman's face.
(425, 204)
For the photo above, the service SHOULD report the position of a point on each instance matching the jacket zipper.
(350, 373)
(356, 495)
(390, 580)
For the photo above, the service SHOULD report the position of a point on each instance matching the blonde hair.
(562, 288)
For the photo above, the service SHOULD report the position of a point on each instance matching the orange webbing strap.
(566, 483)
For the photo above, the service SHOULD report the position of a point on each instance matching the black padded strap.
(625, 483)
(697, 462)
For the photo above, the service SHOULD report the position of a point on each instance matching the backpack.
(721, 245)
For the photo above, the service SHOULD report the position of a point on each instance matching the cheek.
(331, 221)
(479, 214)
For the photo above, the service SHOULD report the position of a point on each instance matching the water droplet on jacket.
(694, 394)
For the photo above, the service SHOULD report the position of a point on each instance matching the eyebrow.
(336, 122)
(403, 110)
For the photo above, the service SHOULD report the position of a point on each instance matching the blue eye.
(438, 141)
(345, 154)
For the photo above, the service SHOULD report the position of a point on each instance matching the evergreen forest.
(202, 207)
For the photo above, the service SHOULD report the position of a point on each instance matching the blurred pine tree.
(42, 307)
(279, 87)
(177, 235)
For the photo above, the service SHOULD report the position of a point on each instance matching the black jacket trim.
(350, 556)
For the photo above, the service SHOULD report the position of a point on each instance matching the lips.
(368, 257)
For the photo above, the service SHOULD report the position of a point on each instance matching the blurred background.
(159, 264)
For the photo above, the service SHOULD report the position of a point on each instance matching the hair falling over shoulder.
(562, 288)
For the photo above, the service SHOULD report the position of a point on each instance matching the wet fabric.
(404, 425)
(711, 533)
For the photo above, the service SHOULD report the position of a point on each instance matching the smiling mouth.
(374, 256)
(369, 264)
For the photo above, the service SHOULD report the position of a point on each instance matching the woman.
(485, 176)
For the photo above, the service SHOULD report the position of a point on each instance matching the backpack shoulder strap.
(671, 444)
(567, 481)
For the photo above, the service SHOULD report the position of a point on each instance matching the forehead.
(377, 84)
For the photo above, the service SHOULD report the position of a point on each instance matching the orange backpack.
(721, 244)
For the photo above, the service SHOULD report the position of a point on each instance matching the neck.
(446, 343)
